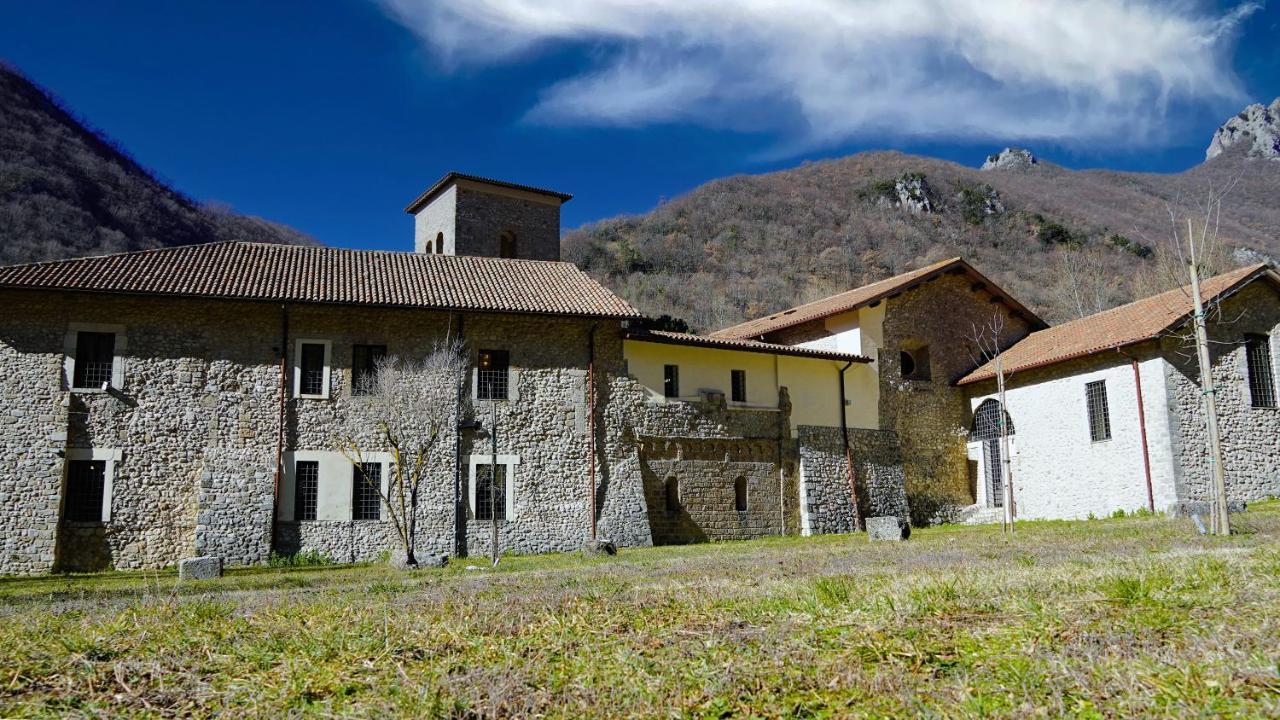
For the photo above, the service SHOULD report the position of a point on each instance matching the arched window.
(740, 494)
(439, 243)
(986, 422)
(914, 363)
(673, 495)
(507, 245)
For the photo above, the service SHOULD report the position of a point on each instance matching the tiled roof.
(1118, 327)
(865, 295)
(675, 338)
(307, 274)
(450, 177)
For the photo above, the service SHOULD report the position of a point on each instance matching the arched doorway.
(986, 430)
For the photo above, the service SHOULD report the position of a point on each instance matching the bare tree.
(1084, 285)
(986, 339)
(414, 407)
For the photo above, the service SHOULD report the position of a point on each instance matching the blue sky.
(330, 116)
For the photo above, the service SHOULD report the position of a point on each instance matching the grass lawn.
(1108, 618)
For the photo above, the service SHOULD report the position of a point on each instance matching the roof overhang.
(752, 346)
(452, 178)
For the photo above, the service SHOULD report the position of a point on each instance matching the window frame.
(671, 381)
(509, 505)
(70, 348)
(356, 372)
(921, 363)
(1102, 405)
(507, 245)
(738, 382)
(1260, 377)
(297, 369)
(297, 496)
(508, 392)
(359, 483)
(110, 457)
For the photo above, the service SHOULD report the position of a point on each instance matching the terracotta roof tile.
(308, 274)
(859, 297)
(675, 338)
(1118, 327)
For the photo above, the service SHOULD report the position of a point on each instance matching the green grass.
(1121, 617)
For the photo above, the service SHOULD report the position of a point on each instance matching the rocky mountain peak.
(1010, 158)
(1257, 127)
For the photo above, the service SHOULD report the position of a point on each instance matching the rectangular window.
(86, 488)
(366, 480)
(312, 370)
(95, 353)
(739, 378)
(491, 494)
(1099, 417)
(671, 381)
(1262, 381)
(492, 373)
(306, 489)
(364, 367)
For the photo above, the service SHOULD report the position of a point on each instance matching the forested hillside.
(67, 191)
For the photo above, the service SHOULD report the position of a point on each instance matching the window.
(364, 367)
(507, 245)
(86, 490)
(915, 363)
(739, 382)
(311, 373)
(95, 358)
(306, 489)
(492, 374)
(1262, 382)
(490, 494)
(740, 494)
(1099, 417)
(672, 489)
(439, 243)
(366, 480)
(671, 381)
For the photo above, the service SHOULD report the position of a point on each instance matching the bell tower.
(469, 215)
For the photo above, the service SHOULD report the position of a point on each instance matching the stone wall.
(1250, 436)
(483, 216)
(877, 471)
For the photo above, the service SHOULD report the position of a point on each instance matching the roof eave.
(718, 344)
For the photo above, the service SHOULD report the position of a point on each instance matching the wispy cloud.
(821, 72)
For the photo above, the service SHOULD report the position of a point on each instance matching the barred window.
(1262, 382)
(311, 380)
(671, 381)
(86, 486)
(493, 374)
(491, 493)
(1099, 416)
(366, 479)
(95, 353)
(672, 490)
(740, 494)
(739, 378)
(306, 489)
(364, 367)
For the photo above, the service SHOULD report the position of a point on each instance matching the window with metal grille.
(671, 381)
(95, 353)
(740, 494)
(364, 367)
(672, 491)
(986, 422)
(491, 493)
(739, 378)
(86, 485)
(311, 381)
(306, 489)
(1262, 381)
(366, 479)
(1095, 394)
(493, 373)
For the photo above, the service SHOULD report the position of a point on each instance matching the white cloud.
(826, 71)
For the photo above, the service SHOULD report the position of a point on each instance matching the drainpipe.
(1142, 427)
(848, 453)
(459, 494)
(284, 384)
(591, 425)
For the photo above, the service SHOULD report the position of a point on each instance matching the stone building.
(190, 401)
(1106, 412)
(918, 327)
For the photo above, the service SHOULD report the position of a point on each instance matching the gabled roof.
(867, 295)
(675, 338)
(309, 274)
(452, 177)
(1139, 321)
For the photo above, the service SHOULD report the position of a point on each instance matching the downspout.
(591, 425)
(284, 384)
(459, 494)
(848, 453)
(1142, 428)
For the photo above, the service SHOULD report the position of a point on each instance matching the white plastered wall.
(437, 216)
